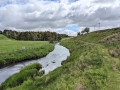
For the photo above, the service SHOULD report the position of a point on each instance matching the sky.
(61, 16)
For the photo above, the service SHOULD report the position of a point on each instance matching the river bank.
(49, 62)
(12, 51)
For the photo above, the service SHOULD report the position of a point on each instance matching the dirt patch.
(79, 87)
(112, 38)
(114, 53)
(106, 57)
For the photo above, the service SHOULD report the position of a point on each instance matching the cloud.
(46, 14)
(104, 1)
(69, 32)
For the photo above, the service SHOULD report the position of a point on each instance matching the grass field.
(91, 66)
(11, 50)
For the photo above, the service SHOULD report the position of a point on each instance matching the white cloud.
(39, 14)
(69, 32)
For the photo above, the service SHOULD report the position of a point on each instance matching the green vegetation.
(86, 30)
(90, 66)
(32, 66)
(42, 72)
(34, 36)
(0, 32)
(26, 73)
(78, 33)
(2, 37)
(11, 51)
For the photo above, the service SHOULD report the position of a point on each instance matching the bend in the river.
(49, 62)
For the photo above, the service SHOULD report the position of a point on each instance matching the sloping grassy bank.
(27, 72)
(91, 66)
(11, 50)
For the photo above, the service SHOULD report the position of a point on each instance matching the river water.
(49, 62)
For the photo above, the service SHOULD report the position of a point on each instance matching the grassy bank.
(91, 66)
(27, 72)
(11, 50)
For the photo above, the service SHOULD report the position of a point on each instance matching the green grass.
(18, 78)
(32, 66)
(2, 37)
(11, 50)
(90, 66)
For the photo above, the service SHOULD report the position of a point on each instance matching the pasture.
(12, 51)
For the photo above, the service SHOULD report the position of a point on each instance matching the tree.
(0, 32)
(78, 33)
(34, 36)
(59, 38)
(86, 30)
(51, 40)
(82, 31)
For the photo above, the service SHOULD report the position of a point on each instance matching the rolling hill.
(94, 64)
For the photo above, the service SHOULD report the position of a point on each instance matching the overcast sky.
(62, 16)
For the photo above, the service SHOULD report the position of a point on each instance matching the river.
(49, 62)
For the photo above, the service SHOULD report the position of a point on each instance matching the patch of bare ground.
(114, 53)
(112, 38)
(79, 87)
(106, 57)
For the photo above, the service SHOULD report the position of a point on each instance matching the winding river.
(49, 62)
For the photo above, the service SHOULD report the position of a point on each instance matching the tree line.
(0, 32)
(33, 36)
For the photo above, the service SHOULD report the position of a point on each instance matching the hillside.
(92, 65)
